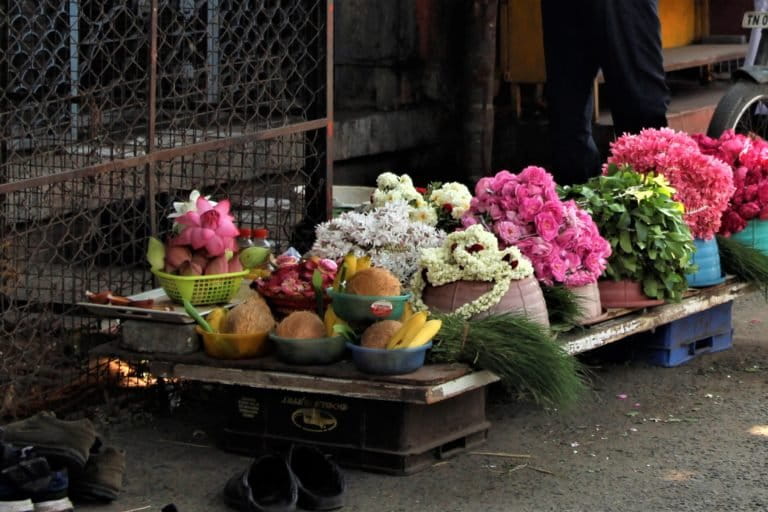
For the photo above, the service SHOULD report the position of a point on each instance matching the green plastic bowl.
(309, 351)
(365, 308)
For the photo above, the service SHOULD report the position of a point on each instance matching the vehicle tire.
(743, 108)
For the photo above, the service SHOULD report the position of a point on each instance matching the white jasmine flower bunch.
(451, 198)
(440, 205)
(386, 233)
(471, 255)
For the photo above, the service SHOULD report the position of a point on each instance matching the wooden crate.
(384, 436)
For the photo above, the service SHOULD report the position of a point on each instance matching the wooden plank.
(428, 375)
(369, 389)
(696, 55)
(645, 320)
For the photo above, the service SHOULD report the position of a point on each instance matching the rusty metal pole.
(149, 167)
(477, 94)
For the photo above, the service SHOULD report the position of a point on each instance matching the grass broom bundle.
(563, 307)
(746, 263)
(522, 353)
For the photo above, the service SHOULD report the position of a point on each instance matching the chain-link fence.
(113, 109)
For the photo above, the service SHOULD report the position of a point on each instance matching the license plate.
(755, 19)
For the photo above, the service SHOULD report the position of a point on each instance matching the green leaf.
(625, 242)
(624, 220)
(345, 331)
(651, 287)
(155, 254)
(641, 228)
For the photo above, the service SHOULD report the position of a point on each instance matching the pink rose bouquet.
(748, 157)
(702, 182)
(524, 210)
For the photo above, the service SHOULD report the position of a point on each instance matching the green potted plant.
(651, 243)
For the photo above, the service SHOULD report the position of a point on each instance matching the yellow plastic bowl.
(235, 346)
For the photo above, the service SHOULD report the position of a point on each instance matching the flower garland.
(471, 255)
(385, 233)
(524, 210)
(748, 157)
(441, 205)
(703, 183)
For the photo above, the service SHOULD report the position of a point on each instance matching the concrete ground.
(691, 438)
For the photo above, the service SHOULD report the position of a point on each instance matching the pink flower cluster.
(748, 157)
(561, 240)
(207, 233)
(208, 227)
(293, 277)
(703, 183)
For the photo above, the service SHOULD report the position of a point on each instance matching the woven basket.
(201, 290)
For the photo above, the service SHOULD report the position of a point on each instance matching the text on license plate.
(755, 19)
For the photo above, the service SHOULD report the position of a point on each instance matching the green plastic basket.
(201, 290)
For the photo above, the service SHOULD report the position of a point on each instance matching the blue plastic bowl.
(367, 308)
(382, 361)
(309, 351)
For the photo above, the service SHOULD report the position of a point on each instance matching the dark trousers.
(621, 37)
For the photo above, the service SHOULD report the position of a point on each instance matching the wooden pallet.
(617, 324)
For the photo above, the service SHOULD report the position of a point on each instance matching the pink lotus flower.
(210, 227)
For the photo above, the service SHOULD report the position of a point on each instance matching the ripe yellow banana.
(407, 313)
(329, 320)
(426, 333)
(217, 318)
(350, 261)
(363, 263)
(408, 330)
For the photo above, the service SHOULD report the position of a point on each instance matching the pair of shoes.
(102, 477)
(27, 483)
(63, 443)
(276, 483)
(96, 472)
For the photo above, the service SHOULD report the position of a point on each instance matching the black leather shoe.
(268, 485)
(321, 483)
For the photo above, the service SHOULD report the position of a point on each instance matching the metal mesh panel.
(112, 110)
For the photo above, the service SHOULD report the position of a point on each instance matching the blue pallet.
(675, 356)
(715, 321)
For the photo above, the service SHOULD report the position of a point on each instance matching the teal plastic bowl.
(382, 361)
(309, 351)
(365, 308)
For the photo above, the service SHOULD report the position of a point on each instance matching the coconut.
(379, 333)
(301, 325)
(249, 317)
(374, 281)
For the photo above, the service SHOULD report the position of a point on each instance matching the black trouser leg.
(571, 65)
(631, 60)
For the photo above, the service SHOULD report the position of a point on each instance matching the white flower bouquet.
(387, 234)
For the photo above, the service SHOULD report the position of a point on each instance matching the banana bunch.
(217, 319)
(330, 320)
(349, 267)
(417, 330)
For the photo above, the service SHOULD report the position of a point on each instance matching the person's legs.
(571, 65)
(632, 64)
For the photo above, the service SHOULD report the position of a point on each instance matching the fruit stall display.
(444, 275)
